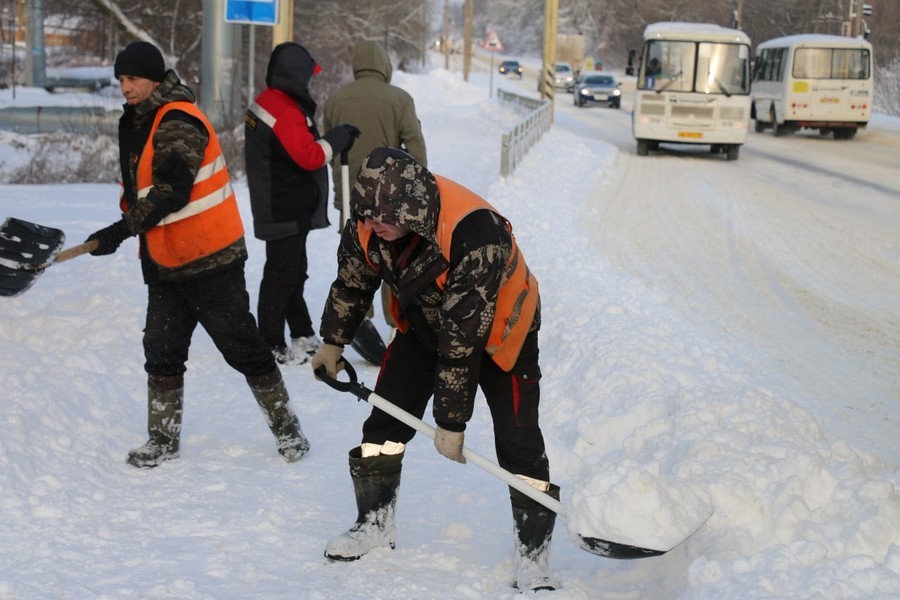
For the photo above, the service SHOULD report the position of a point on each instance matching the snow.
(679, 392)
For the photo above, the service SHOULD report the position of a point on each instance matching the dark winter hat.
(141, 59)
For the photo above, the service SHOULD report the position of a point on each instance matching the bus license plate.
(696, 135)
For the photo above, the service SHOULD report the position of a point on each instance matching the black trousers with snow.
(281, 291)
(407, 380)
(220, 303)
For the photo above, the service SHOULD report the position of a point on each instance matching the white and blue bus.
(813, 81)
(693, 87)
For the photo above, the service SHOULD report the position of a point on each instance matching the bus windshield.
(703, 67)
(831, 63)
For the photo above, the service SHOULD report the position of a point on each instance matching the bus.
(813, 81)
(693, 87)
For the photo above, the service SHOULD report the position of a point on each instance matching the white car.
(564, 77)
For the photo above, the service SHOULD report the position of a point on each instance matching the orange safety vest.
(518, 295)
(210, 221)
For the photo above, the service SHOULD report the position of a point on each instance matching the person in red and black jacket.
(286, 162)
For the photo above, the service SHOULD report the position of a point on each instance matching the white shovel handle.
(363, 393)
(345, 189)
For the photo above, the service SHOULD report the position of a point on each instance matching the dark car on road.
(595, 88)
(511, 67)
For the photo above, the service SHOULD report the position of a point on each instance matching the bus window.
(812, 63)
(722, 68)
(850, 64)
(669, 65)
(831, 63)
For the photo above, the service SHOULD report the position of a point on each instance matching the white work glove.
(450, 443)
(328, 356)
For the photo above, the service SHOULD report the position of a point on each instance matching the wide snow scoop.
(600, 547)
(26, 249)
(367, 341)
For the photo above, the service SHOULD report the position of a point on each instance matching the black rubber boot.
(533, 526)
(375, 481)
(165, 397)
(272, 397)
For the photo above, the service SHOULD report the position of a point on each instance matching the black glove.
(110, 238)
(341, 138)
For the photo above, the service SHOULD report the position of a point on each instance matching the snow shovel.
(367, 341)
(26, 249)
(600, 547)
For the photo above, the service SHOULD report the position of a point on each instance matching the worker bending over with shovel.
(468, 314)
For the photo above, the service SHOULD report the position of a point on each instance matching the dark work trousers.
(407, 380)
(281, 291)
(220, 303)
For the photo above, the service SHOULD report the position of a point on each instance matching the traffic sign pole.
(492, 44)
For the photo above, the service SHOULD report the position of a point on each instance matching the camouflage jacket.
(453, 322)
(179, 144)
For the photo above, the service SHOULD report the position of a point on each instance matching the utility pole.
(548, 70)
(35, 59)
(220, 90)
(739, 15)
(857, 23)
(284, 28)
(445, 43)
(467, 40)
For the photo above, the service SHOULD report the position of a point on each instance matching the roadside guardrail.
(522, 136)
(72, 119)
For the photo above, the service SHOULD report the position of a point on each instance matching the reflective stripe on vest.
(518, 295)
(210, 221)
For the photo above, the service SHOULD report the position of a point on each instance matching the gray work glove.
(450, 443)
(328, 356)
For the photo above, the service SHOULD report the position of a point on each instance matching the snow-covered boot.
(165, 397)
(533, 526)
(272, 397)
(375, 481)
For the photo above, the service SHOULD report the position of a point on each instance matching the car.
(91, 78)
(511, 67)
(597, 88)
(563, 77)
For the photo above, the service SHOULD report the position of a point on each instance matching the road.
(793, 249)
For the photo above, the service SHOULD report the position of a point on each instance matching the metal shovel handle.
(363, 393)
(345, 188)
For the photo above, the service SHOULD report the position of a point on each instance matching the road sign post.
(492, 44)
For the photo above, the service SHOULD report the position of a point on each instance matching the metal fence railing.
(521, 137)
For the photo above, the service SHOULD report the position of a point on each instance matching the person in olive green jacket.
(385, 115)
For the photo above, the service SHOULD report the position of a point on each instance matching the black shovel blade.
(368, 343)
(25, 248)
(616, 550)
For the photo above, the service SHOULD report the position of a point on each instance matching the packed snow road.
(803, 229)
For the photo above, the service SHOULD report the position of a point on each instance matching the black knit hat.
(141, 59)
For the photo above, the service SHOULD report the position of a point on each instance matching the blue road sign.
(257, 12)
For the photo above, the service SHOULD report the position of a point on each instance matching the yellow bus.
(813, 81)
(693, 88)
